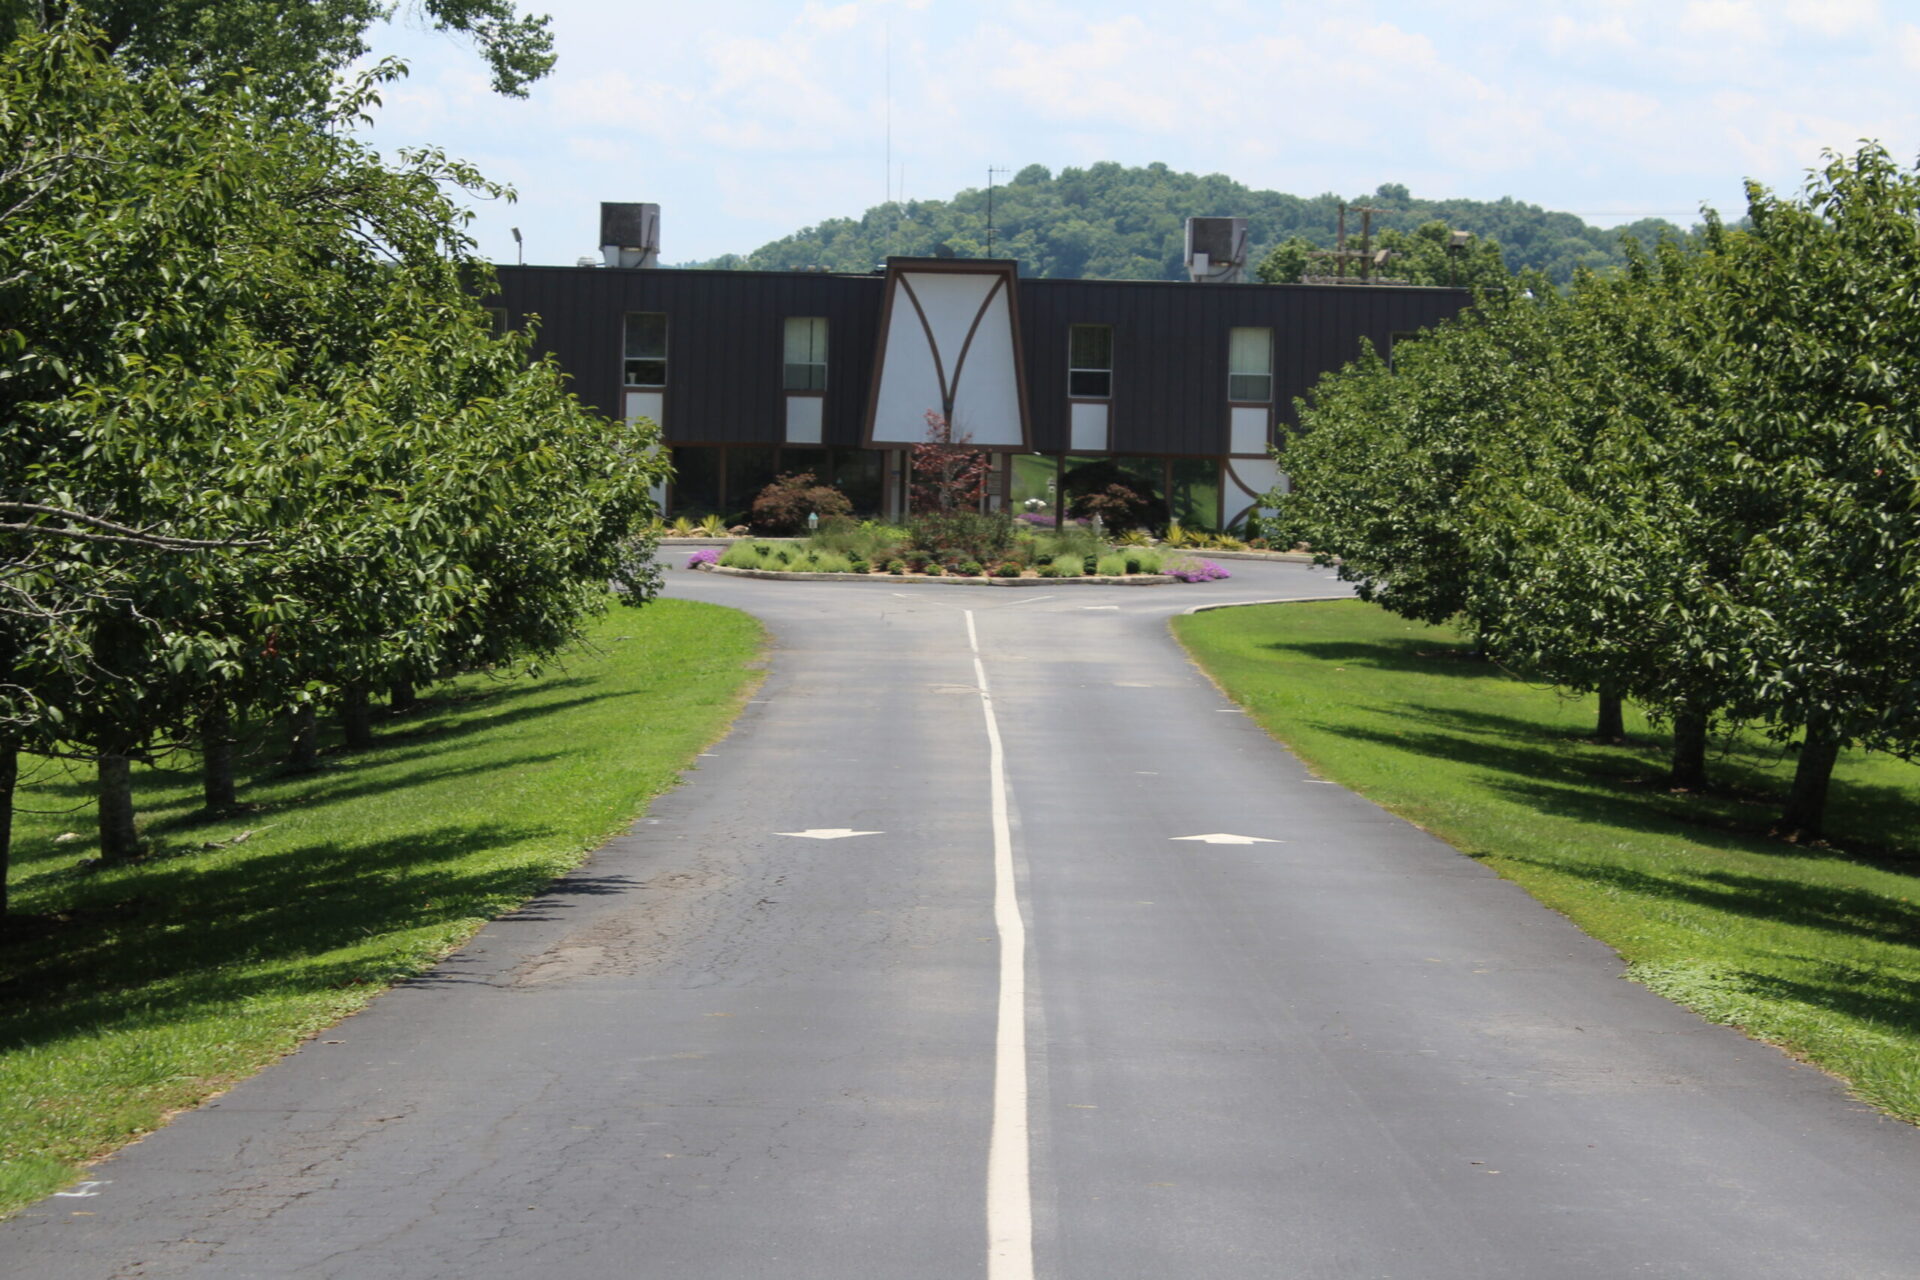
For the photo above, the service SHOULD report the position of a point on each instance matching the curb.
(1242, 604)
(778, 575)
(1285, 557)
(1208, 553)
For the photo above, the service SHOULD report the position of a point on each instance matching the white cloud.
(1834, 17)
(750, 118)
(1734, 19)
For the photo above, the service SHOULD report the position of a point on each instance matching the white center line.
(1009, 1189)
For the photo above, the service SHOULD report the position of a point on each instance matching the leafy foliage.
(783, 506)
(952, 536)
(948, 474)
(1692, 484)
(1422, 256)
(1111, 222)
(253, 348)
(292, 51)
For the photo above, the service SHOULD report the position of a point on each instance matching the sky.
(746, 120)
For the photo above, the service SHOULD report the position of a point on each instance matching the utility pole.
(991, 170)
(1366, 241)
(1364, 255)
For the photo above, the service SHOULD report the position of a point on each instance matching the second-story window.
(1250, 366)
(1090, 361)
(805, 362)
(646, 362)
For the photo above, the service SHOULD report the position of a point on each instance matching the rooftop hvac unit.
(630, 235)
(1216, 250)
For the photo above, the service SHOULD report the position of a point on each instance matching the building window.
(646, 363)
(1250, 366)
(806, 353)
(497, 321)
(1090, 361)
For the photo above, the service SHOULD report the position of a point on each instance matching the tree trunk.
(216, 756)
(119, 842)
(303, 747)
(1612, 726)
(1689, 750)
(356, 717)
(1807, 802)
(9, 774)
(401, 697)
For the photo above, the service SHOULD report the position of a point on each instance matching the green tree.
(1110, 221)
(1381, 465)
(1821, 330)
(292, 50)
(1286, 262)
(1596, 551)
(242, 334)
(1428, 255)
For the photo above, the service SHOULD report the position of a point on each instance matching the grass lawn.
(1815, 948)
(131, 993)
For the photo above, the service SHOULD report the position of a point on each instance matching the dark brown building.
(1178, 387)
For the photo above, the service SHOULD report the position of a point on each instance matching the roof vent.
(1216, 250)
(630, 235)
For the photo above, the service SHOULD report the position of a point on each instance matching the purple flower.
(705, 555)
(1196, 571)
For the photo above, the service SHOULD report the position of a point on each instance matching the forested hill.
(1111, 222)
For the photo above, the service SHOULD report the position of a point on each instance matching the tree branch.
(114, 533)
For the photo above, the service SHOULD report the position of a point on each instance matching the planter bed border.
(1292, 557)
(1085, 580)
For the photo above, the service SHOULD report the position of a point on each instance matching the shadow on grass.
(1828, 908)
(1422, 655)
(1622, 787)
(71, 787)
(172, 939)
(48, 863)
(1858, 994)
(262, 752)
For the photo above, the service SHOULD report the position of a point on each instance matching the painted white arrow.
(1221, 837)
(828, 833)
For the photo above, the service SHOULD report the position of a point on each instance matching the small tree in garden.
(948, 474)
(784, 505)
(1100, 488)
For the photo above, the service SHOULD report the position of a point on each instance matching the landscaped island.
(963, 545)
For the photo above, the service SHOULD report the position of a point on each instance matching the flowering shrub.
(705, 555)
(784, 505)
(1195, 571)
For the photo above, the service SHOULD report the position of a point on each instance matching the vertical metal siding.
(726, 341)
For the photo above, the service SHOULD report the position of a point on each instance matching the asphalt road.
(1339, 1050)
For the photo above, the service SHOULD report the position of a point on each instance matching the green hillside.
(1112, 222)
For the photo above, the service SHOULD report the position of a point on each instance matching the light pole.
(1456, 246)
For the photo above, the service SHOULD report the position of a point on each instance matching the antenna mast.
(888, 59)
(991, 170)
